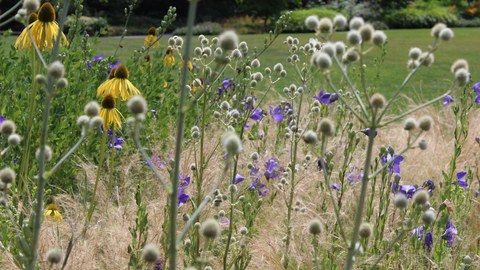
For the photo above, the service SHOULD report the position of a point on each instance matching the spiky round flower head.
(421, 197)
(425, 123)
(62, 83)
(410, 124)
(278, 67)
(426, 60)
(210, 228)
(321, 60)
(233, 188)
(243, 230)
(365, 230)
(137, 104)
(315, 227)
(236, 54)
(412, 64)
(467, 260)
(312, 22)
(14, 139)
(379, 38)
(283, 73)
(228, 40)
(96, 121)
(7, 175)
(339, 21)
(325, 26)
(423, 145)
(83, 120)
(462, 76)
(255, 63)
(437, 28)
(446, 34)
(257, 76)
(356, 23)
(458, 64)
(366, 31)
(31, 5)
(54, 256)
(329, 49)
(232, 143)
(178, 41)
(40, 79)
(326, 127)
(400, 201)
(56, 70)
(414, 53)
(8, 127)
(354, 37)
(48, 153)
(428, 217)
(378, 100)
(310, 137)
(339, 48)
(150, 253)
(92, 109)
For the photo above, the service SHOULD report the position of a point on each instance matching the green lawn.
(427, 83)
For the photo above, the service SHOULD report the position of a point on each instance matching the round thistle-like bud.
(400, 201)
(315, 227)
(339, 21)
(428, 217)
(14, 139)
(62, 83)
(354, 37)
(228, 40)
(178, 41)
(423, 145)
(321, 60)
(412, 64)
(137, 105)
(150, 253)
(366, 31)
(92, 109)
(462, 76)
(425, 123)
(414, 53)
(95, 121)
(356, 23)
(233, 188)
(310, 137)
(426, 61)
(8, 127)
(40, 79)
(236, 54)
(325, 26)
(257, 76)
(255, 63)
(254, 156)
(31, 5)
(7, 175)
(210, 228)
(225, 105)
(54, 256)
(47, 154)
(459, 64)
(329, 49)
(446, 34)
(365, 230)
(278, 67)
(197, 51)
(351, 55)
(312, 22)
(232, 143)
(378, 100)
(410, 124)
(437, 28)
(467, 260)
(56, 70)
(379, 38)
(326, 127)
(243, 230)
(421, 197)
(339, 48)
(187, 243)
(283, 73)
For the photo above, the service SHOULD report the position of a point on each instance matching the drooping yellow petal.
(111, 117)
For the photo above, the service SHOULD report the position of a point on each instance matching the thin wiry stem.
(130, 10)
(192, 8)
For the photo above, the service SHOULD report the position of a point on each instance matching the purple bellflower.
(394, 160)
(450, 233)
(462, 182)
(447, 100)
(476, 88)
(326, 98)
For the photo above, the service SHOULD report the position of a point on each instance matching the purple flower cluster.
(271, 171)
(476, 88)
(462, 182)
(94, 59)
(394, 160)
(326, 98)
(281, 112)
(450, 233)
(227, 83)
(182, 196)
(447, 100)
(409, 190)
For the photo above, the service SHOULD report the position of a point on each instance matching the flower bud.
(47, 155)
(414, 53)
(437, 28)
(428, 217)
(7, 175)
(377, 100)
(365, 230)
(356, 23)
(312, 22)
(339, 21)
(325, 26)
(379, 38)
(354, 37)
(462, 77)
(366, 32)
(423, 145)
(425, 123)
(62, 83)
(137, 105)
(92, 109)
(420, 197)
(56, 70)
(400, 201)
(95, 121)
(310, 137)
(459, 64)
(446, 34)
(228, 40)
(255, 63)
(8, 127)
(426, 61)
(327, 127)
(315, 227)
(321, 60)
(339, 48)
(150, 253)
(410, 124)
(14, 139)
(232, 143)
(54, 256)
(210, 228)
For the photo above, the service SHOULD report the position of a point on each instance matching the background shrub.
(421, 17)
(205, 28)
(299, 16)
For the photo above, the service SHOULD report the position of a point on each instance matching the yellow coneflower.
(110, 114)
(189, 65)
(151, 39)
(44, 30)
(32, 18)
(169, 59)
(118, 85)
(53, 213)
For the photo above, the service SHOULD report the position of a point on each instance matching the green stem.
(172, 230)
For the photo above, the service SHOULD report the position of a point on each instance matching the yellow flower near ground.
(44, 30)
(151, 39)
(118, 85)
(189, 65)
(110, 114)
(169, 59)
(53, 213)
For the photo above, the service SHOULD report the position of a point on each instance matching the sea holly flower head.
(462, 182)
(326, 98)
(394, 160)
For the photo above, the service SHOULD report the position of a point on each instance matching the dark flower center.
(121, 72)
(169, 51)
(151, 31)
(32, 18)
(108, 102)
(46, 13)
(111, 75)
